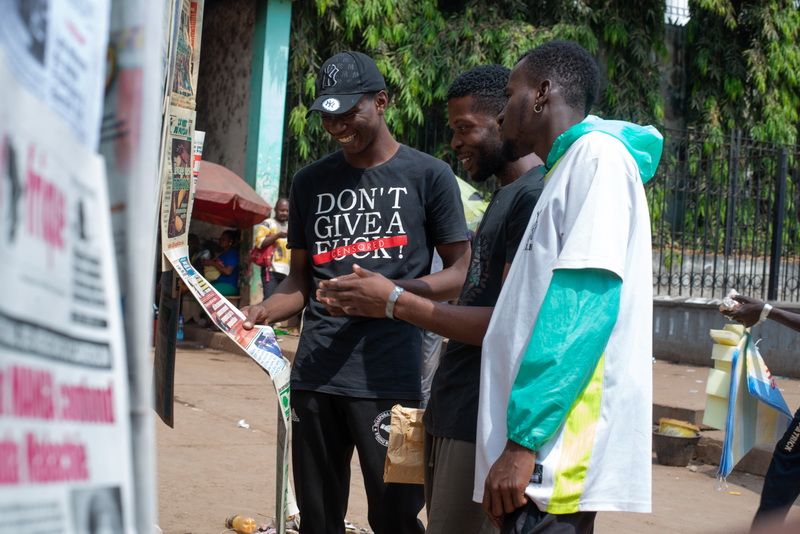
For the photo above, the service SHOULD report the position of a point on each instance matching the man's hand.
(254, 315)
(361, 293)
(749, 311)
(504, 489)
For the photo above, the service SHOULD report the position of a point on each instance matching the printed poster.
(65, 449)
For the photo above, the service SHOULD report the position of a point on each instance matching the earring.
(535, 110)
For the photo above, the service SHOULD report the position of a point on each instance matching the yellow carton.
(719, 383)
(723, 366)
(722, 353)
(716, 412)
(725, 337)
(734, 327)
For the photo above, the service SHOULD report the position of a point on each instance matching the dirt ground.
(209, 468)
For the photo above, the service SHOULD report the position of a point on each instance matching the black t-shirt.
(387, 219)
(452, 411)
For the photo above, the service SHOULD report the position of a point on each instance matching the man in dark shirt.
(782, 481)
(474, 100)
(385, 206)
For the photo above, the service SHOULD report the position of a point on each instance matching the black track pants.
(325, 430)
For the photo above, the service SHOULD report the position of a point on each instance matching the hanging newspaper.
(177, 181)
(260, 343)
(187, 54)
(65, 450)
(57, 50)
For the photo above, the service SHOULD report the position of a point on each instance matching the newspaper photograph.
(57, 51)
(187, 54)
(65, 450)
(177, 183)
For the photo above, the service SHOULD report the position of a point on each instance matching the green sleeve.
(574, 324)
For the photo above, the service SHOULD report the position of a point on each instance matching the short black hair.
(570, 66)
(485, 84)
(233, 235)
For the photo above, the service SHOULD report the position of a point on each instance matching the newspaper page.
(130, 131)
(129, 142)
(261, 345)
(57, 49)
(65, 449)
(178, 184)
(187, 54)
(165, 347)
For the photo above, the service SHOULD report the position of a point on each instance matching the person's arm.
(572, 330)
(749, 313)
(367, 292)
(221, 267)
(270, 239)
(289, 298)
(445, 284)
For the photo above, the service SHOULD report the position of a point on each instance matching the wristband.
(390, 302)
(764, 312)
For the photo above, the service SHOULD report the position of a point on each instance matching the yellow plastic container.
(734, 327)
(716, 413)
(723, 353)
(673, 427)
(725, 337)
(719, 383)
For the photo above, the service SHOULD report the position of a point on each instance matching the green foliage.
(422, 46)
(744, 60)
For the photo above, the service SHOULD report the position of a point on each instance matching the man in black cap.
(386, 207)
(474, 100)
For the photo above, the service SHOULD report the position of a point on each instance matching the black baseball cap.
(343, 80)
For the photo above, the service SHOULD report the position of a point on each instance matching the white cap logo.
(331, 104)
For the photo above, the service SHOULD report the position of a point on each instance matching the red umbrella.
(223, 198)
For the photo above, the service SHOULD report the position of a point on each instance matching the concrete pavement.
(678, 393)
(209, 467)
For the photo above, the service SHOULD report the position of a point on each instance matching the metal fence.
(725, 211)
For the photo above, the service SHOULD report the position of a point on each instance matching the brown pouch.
(404, 456)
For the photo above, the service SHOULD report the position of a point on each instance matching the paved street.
(209, 468)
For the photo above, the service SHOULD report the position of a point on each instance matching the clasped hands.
(361, 293)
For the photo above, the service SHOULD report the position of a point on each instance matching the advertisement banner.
(65, 449)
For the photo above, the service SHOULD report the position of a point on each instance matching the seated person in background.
(198, 252)
(227, 263)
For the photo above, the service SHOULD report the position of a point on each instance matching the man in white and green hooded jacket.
(565, 417)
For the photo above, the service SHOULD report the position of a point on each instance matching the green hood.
(644, 143)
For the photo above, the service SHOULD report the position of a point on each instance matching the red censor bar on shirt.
(361, 246)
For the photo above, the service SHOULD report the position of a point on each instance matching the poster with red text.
(65, 445)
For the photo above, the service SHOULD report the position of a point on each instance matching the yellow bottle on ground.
(241, 524)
